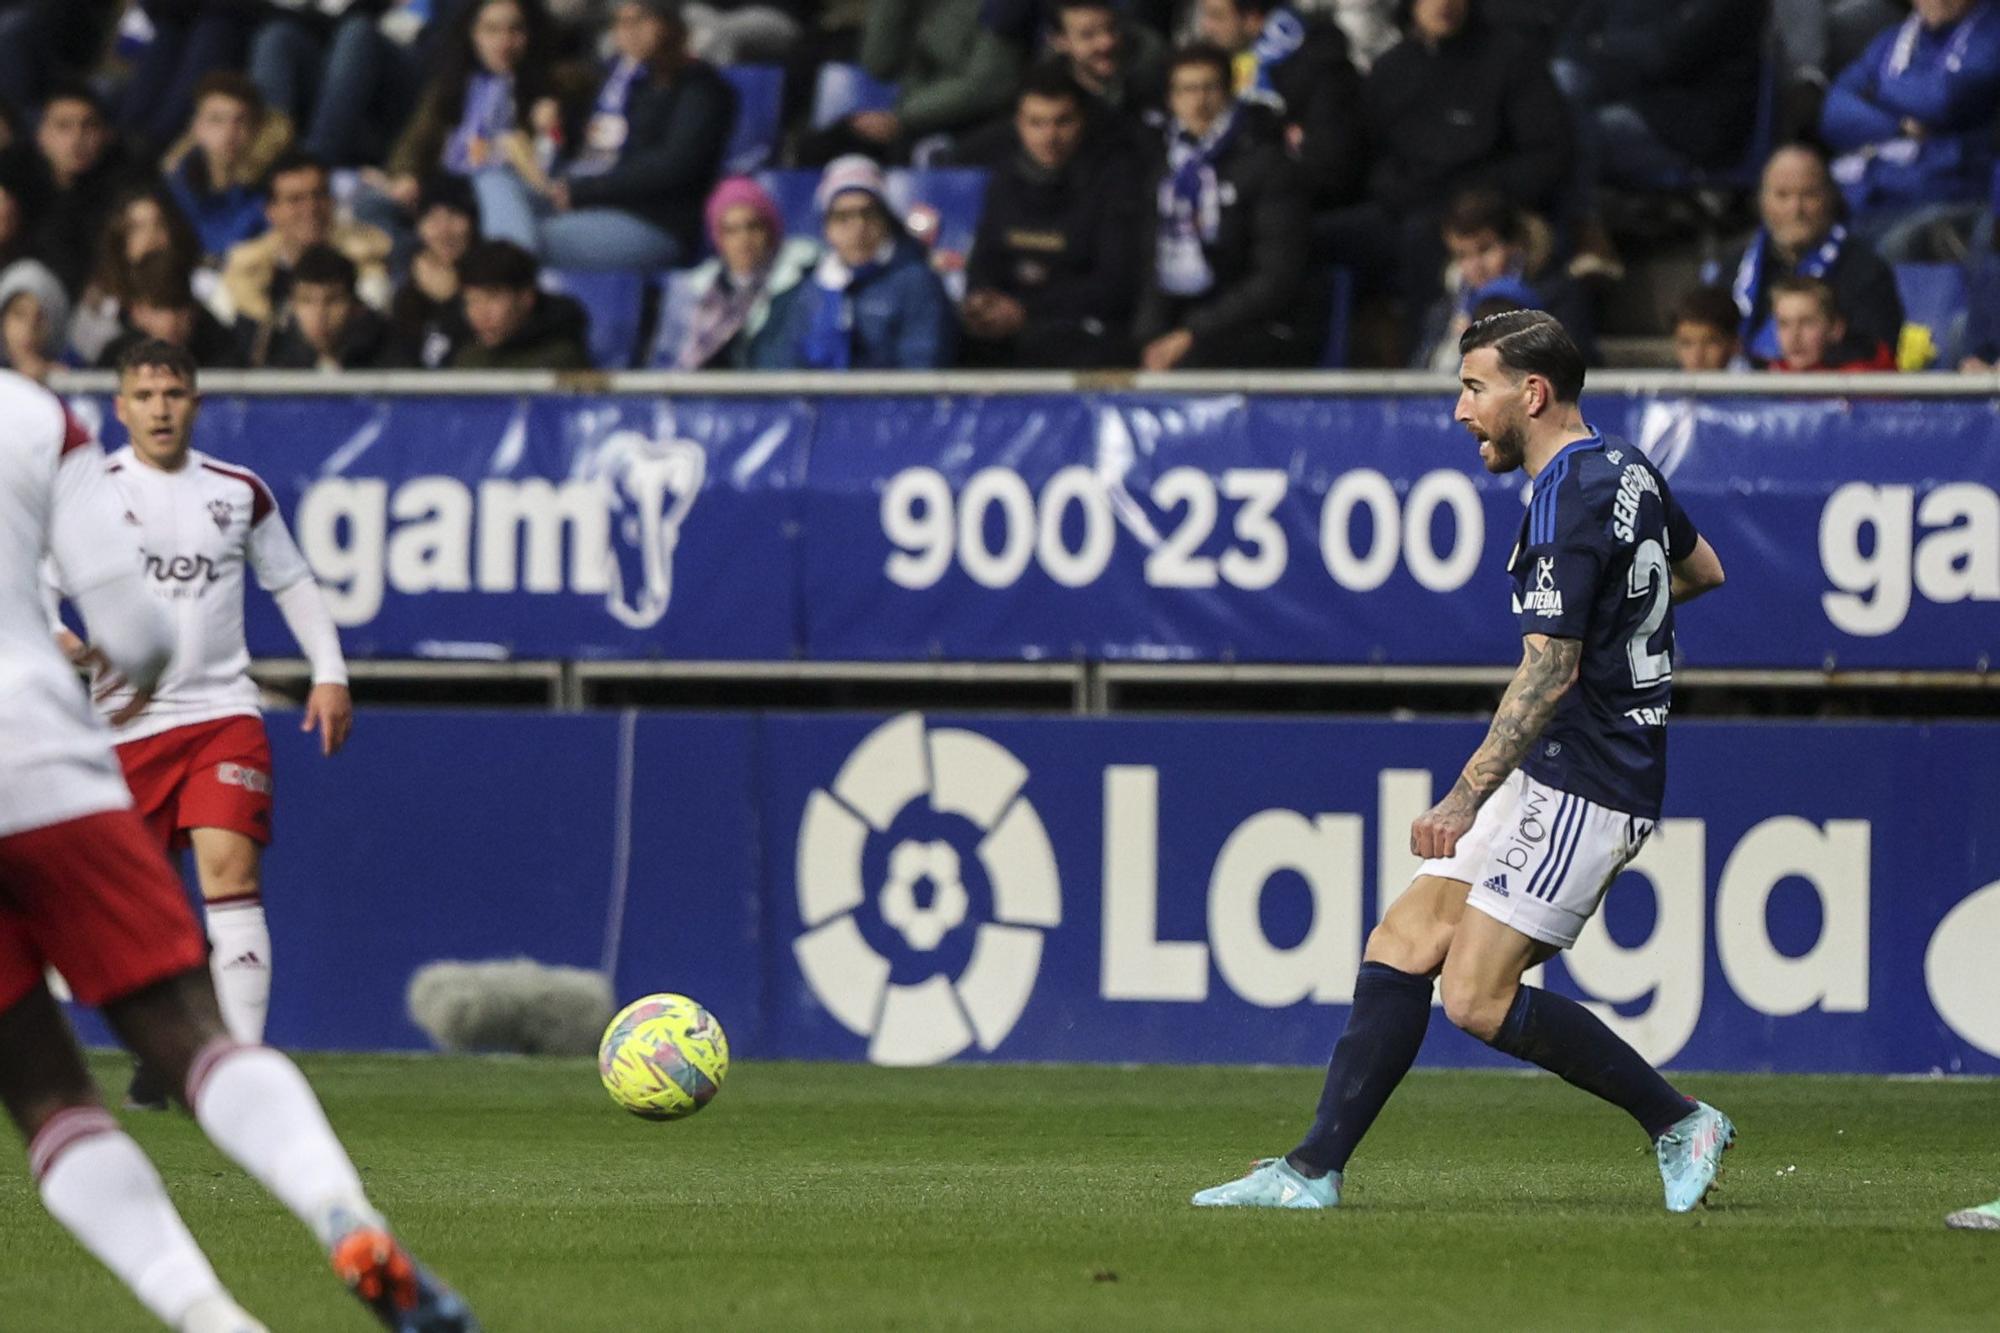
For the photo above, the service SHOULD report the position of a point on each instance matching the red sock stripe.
(205, 1061)
(64, 1130)
(235, 900)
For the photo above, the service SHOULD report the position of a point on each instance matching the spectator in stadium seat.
(330, 69)
(324, 326)
(298, 202)
(514, 324)
(1121, 67)
(494, 92)
(34, 309)
(427, 317)
(1499, 252)
(1802, 234)
(1055, 266)
(143, 222)
(213, 179)
(1298, 71)
(951, 74)
(630, 194)
(1811, 332)
(735, 312)
(1912, 123)
(1120, 62)
(872, 302)
(13, 224)
(161, 304)
(1707, 331)
(70, 180)
(1224, 288)
(1452, 106)
(1982, 320)
(189, 41)
(1660, 88)
(45, 42)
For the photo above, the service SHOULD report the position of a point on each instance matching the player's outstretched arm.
(1548, 668)
(1699, 572)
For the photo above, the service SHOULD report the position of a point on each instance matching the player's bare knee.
(1472, 1008)
(231, 873)
(1399, 945)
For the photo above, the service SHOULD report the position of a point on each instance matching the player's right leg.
(92, 1177)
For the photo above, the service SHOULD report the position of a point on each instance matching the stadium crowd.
(514, 184)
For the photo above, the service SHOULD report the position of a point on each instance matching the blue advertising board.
(912, 888)
(1096, 526)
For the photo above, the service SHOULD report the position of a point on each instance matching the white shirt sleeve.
(283, 572)
(99, 564)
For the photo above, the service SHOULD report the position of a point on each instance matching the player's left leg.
(1483, 995)
(229, 867)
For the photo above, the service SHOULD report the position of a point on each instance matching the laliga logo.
(902, 773)
(650, 485)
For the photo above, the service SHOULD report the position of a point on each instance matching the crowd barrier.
(914, 888)
(1128, 524)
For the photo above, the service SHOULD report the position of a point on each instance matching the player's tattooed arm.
(1548, 668)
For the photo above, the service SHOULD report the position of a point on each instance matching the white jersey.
(201, 526)
(56, 503)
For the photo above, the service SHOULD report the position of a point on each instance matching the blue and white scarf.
(1190, 205)
(829, 341)
(1761, 341)
(1284, 33)
(1896, 60)
(604, 136)
(489, 113)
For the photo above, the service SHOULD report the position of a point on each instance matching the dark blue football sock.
(1384, 1029)
(1568, 1040)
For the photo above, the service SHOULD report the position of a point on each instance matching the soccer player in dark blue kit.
(1559, 797)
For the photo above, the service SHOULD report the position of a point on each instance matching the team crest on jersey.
(1544, 599)
(1616, 456)
(219, 510)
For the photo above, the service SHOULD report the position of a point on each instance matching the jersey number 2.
(1649, 578)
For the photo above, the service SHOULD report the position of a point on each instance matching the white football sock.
(257, 1107)
(240, 960)
(96, 1181)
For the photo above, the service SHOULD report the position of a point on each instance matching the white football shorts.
(1539, 859)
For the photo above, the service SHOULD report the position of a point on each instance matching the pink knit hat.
(739, 192)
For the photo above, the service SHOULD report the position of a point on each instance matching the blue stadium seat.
(843, 90)
(946, 202)
(616, 302)
(792, 190)
(1340, 308)
(1936, 299)
(760, 92)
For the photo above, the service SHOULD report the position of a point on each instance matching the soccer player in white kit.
(194, 749)
(84, 889)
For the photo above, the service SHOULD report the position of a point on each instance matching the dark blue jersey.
(1592, 564)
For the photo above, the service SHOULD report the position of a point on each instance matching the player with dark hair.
(193, 748)
(85, 890)
(1558, 799)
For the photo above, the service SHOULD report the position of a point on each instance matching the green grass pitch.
(841, 1197)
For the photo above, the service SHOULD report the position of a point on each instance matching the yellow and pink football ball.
(663, 1057)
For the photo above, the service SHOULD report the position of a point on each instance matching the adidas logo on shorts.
(1497, 884)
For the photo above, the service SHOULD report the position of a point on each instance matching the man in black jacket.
(1803, 236)
(1226, 285)
(1454, 106)
(1055, 264)
(630, 195)
(324, 325)
(1299, 72)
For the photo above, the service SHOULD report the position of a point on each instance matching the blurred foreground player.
(193, 748)
(84, 889)
(1561, 795)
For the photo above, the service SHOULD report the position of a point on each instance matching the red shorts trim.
(95, 899)
(206, 775)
